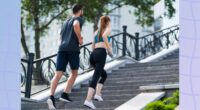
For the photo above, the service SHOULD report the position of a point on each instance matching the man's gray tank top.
(69, 40)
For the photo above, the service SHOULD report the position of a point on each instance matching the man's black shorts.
(64, 57)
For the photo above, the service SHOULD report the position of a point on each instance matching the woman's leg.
(101, 83)
(99, 62)
(93, 83)
(97, 73)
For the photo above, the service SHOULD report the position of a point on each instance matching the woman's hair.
(104, 20)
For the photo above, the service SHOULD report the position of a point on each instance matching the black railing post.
(29, 75)
(137, 53)
(124, 41)
(168, 41)
(155, 42)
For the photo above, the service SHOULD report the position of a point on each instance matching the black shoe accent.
(86, 106)
(51, 103)
(65, 97)
(53, 100)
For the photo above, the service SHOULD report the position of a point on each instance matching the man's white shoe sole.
(50, 105)
(64, 100)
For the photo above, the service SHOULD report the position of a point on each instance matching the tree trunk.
(37, 51)
(23, 40)
(37, 30)
(36, 74)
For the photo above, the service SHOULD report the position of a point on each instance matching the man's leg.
(54, 81)
(54, 84)
(73, 58)
(70, 81)
(61, 64)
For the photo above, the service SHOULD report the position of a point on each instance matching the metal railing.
(123, 44)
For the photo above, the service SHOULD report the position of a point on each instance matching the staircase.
(122, 84)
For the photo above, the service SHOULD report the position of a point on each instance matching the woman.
(98, 60)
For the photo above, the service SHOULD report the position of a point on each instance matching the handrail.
(135, 46)
(40, 59)
(24, 60)
(159, 31)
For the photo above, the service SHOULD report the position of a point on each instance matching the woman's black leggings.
(98, 60)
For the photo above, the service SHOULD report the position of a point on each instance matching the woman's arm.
(105, 38)
(93, 43)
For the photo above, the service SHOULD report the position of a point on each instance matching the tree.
(37, 15)
(94, 9)
(144, 10)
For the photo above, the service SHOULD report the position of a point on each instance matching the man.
(68, 51)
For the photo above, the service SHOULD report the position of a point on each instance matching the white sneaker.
(89, 104)
(98, 98)
(51, 104)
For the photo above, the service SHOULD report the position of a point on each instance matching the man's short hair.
(76, 8)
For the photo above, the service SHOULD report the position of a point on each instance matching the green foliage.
(144, 10)
(170, 9)
(37, 15)
(169, 103)
(159, 105)
(174, 99)
(44, 10)
(47, 9)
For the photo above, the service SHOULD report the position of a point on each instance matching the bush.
(172, 100)
(169, 103)
(158, 105)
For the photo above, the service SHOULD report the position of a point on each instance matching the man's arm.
(77, 30)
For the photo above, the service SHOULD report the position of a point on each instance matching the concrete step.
(74, 104)
(105, 104)
(121, 85)
(151, 67)
(135, 85)
(141, 77)
(150, 81)
(83, 108)
(165, 62)
(113, 92)
(145, 70)
(142, 74)
(130, 86)
(107, 96)
(142, 65)
(139, 82)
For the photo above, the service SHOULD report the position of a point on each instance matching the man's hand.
(80, 41)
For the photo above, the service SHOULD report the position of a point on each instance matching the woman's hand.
(110, 52)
